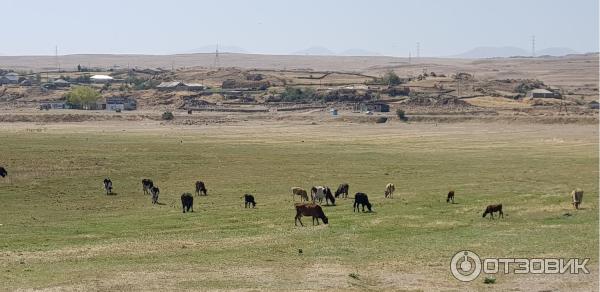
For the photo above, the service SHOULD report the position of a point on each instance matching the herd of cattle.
(306, 207)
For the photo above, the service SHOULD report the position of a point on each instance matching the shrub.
(167, 116)
(401, 115)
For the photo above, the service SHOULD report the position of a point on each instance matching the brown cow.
(450, 197)
(297, 191)
(309, 209)
(493, 208)
(577, 195)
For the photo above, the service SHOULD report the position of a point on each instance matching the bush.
(298, 94)
(167, 116)
(391, 78)
(401, 115)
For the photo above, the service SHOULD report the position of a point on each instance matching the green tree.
(82, 95)
(391, 78)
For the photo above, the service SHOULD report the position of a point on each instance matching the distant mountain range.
(505, 52)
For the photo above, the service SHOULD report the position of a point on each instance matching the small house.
(171, 85)
(542, 93)
(194, 86)
(120, 103)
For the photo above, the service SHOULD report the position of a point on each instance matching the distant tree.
(391, 78)
(167, 116)
(78, 68)
(401, 115)
(82, 95)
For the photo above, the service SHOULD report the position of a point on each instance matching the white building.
(101, 79)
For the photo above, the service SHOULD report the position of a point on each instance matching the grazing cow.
(329, 196)
(319, 193)
(389, 190)
(147, 185)
(297, 191)
(450, 197)
(108, 185)
(155, 192)
(200, 188)
(309, 209)
(3, 172)
(577, 195)
(493, 208)
(363, 200)
(187, 202)
(343, 190)
(249, 200)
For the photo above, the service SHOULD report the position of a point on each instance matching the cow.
(3, 172)
(249, 200)
(363, 200)
(490, 209)
(108, 185)
(297, 191)
(577, 195)
(155, 191)
(450, 197)
(309, 209)
(389, 190)
(187, 202)
(147, 185)
(342, 190)
(200, 188)
(319, 193)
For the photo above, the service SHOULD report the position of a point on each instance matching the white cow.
(317, 193)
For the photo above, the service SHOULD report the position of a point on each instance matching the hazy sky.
(443, 27)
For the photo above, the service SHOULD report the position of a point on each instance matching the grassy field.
(59, 231)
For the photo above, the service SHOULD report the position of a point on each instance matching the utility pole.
(533, 46)
(56, 58)
(217, 63)
(409, 57)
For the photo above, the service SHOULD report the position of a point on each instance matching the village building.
(101, 79)
(542, 93)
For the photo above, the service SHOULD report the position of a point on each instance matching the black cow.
(450, 197)
(329, 196)
(363, 200)
(342, 190)
(108, 185)
(187, 202)
(147, 185)
(493, 208)
(200, 188)
(155, 191)
(249, 200)
(3, 172)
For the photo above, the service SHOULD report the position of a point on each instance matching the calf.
(249, 200)
(200, 188)
(187, 202)
(342, 190)
(297, 191)
(108, 185)
(577, 195)
(363, 200)
(3, 172)
(155, 191)
(450, 197)
(389, 190)
(147, 184)
(493, 208)
(309, 209)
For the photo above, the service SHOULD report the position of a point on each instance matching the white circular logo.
(465, 266)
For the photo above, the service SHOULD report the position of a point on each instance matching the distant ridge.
(506, 52)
